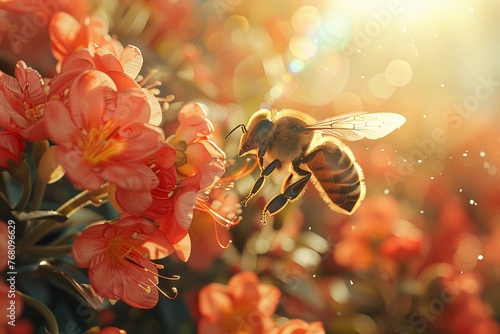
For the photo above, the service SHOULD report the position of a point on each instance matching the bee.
(313, 151)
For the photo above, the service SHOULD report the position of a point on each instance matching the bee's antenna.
(242, 126)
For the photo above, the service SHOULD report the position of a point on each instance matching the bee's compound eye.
(263, 127)
(255, 136)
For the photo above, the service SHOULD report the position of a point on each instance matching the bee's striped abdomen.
(337, 176)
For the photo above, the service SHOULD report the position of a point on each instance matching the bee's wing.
(359, 125)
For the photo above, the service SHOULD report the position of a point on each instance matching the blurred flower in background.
(112, 123)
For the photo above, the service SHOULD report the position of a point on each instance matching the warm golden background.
(422, 253)
(434, 182)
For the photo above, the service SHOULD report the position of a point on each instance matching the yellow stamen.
(227, 181)
(99, 145)
(154, 280)
(218, 219)
(33, 113)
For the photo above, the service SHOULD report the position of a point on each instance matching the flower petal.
(91, 98)
(89, 243)
(158, 246)
(209, 173)
(156, 116)
(49, 171)
(59, 124)
(131, 60)
(133, 106)
(31, 80)
(214, 302)
(113, 280)
(193, 123)
(11, 104)
(63, 29)
(183, 248)
(133, 202)
(132, 176)
(184, 208)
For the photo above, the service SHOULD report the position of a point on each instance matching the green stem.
(97, 197)
(3, 187)
(39, 148)
(52, 325)
(21, 174)
(38, 195)
(86, 197)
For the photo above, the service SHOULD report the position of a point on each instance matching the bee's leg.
(260, 181)
(290, 193)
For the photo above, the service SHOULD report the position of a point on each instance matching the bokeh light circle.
(380, 86)
(320, 80)
(302, 47)
(398, 73)
(347, 102)
(306, 20)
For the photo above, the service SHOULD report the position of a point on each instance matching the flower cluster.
(103, 126)
(99, 124)
(245, 305)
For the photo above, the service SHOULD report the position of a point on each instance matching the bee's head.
(258, 129)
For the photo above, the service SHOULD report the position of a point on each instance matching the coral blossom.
(105, 330)
(244, 305)
(104, 135)
(22, 102)
(193, 140)
(182, 202)
(11, 149)
(218, 210)
(119, 256)
(68, 35)
(122, 68)
(376, 230)
(151, 203)
(128, 61)
(24, 97)
(297, 326)
(19, 6)
(464, 312)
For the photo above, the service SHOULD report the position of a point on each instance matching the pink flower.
(119, 256)
(19, 6)
(67, 35)
(122, 67)
(105, 330)
(297, 326)
(181, 204)
(193, 140)
(244, 305)
(111, 330)
(31, 6)
(377, 231)
(22, 100)
(103, 134)
(172, 203)
(209, 240)
(151, 203)
(128, 60)
(11, 149)
(463, 310)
